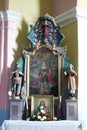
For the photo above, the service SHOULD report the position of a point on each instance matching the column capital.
(9, 15)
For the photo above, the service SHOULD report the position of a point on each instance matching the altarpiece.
(43, 65)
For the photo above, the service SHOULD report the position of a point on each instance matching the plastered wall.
(71, 41)
(30, 10)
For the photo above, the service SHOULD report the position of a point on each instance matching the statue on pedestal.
(16, 79)
(71, 74)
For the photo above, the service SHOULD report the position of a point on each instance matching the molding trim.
(9, 15)
(70, 16)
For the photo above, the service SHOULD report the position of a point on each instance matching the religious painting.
(44, 73)
(43, 104)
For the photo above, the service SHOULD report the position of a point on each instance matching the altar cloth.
(41, 125)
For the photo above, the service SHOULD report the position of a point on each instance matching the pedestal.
(71, 109)
(16, 109)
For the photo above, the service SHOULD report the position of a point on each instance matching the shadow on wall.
(21, 41)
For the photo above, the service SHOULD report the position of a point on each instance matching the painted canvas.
(44, 73)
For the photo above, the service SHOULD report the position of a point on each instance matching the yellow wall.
(1, 5)
(71, 41)
(30, 11)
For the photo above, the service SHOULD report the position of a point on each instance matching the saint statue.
(71, 74)
(16, 77)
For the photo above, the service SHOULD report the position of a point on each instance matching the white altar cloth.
(41, 125)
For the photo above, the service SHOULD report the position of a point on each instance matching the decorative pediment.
(45, 32)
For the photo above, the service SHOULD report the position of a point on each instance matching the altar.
(41, 125)
(43, 79)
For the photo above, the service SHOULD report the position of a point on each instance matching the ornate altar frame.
(45, 39)
(56, 54)
(45, 35)
(43, 64)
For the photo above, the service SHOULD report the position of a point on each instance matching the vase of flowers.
(41, 115)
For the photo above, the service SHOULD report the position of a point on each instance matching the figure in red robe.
(46, 80)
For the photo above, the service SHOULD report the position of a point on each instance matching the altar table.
(41, 125)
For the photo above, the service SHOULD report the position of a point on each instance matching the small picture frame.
(71, 109)
(37, 100)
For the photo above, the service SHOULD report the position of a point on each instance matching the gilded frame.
(28, 71)
(49, 102)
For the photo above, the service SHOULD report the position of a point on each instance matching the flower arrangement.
(41, 115)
